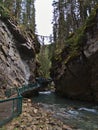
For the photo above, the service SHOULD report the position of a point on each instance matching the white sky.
(44, 17)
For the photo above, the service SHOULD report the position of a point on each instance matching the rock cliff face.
(18, 50)
(75, 69)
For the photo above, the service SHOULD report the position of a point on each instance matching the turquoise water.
(79, 115)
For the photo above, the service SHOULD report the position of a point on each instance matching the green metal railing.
(28, 87)
(11, 91)
(10, 108)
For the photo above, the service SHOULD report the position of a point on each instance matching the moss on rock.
(78, 39)
(4, 13)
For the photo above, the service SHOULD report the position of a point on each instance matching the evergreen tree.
(68, 16)
(23, 11)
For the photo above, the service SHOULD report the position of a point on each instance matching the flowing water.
(79, 115)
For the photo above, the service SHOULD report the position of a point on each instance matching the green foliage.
(22, 11)
(77, 40)
(2, 128)
(4, 13)
(45, 62)
(90, 22)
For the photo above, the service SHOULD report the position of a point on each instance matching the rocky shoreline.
(34, 117)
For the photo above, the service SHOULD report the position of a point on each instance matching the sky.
(44, 17)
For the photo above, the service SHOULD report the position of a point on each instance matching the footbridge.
(12, 106)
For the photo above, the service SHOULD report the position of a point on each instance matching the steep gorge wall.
(75, 69)
(18, 50)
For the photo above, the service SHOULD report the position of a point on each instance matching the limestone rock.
(17, 55)
(75, 69)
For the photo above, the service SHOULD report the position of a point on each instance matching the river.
(80, 115)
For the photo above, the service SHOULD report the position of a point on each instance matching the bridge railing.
(11, 91)
(27, 87)
(10, 108)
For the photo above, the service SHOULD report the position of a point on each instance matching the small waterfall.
(17, 69)
(26, 71)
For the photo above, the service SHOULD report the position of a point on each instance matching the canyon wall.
(75, 69)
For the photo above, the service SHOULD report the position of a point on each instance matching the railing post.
(12, 111)
(20, 100)
(13, 107)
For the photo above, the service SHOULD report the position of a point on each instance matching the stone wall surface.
(18, 63)
(76, 74)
